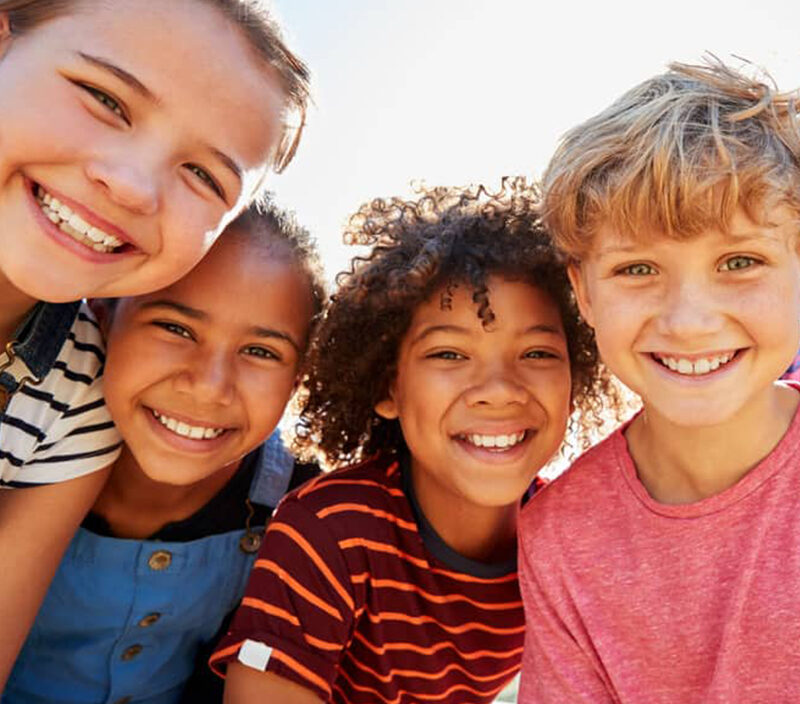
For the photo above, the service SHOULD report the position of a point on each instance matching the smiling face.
(482, 410)
(199, 373)
(698, 328)
(129, 131)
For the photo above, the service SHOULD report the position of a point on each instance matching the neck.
(682, 464)
(136, 506)
(481, 533)
(13, 307)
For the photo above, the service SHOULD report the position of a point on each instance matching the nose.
(127, 180)
(496, 385)
(209, 377)
(690, 309)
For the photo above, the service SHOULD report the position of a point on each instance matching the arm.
(36, 525)
(245, 685)
(297, 614)
(556, 665)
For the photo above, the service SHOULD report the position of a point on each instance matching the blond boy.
(664, 566)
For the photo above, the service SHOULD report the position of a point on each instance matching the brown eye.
(106, 101)
(204, 176)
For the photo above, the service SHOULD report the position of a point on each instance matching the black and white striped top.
(60, 429)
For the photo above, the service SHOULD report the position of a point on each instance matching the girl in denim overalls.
(130, 133)
(198, 375)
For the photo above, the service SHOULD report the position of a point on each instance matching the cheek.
(267, 399)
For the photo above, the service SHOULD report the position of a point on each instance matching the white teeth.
(196, 432)
(500, 442)
(697, 367)
(74, 225)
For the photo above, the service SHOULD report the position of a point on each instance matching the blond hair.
(676, 155)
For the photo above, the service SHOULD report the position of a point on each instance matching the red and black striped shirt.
(361, 601)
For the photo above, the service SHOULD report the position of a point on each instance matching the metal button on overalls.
(132, 652)
(160, 560)
(149, 620)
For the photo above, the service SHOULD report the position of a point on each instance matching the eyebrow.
(195, 314)
(228, 162)
(427, 332)
(123, 75)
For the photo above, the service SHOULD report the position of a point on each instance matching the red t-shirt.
(629, 600)
(359, 599)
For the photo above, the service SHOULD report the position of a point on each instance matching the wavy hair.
(676, 155)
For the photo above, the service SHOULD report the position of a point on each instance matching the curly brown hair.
(445, 237)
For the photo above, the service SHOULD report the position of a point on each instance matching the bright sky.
(465, 91)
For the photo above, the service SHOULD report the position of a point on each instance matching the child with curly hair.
(446, 369)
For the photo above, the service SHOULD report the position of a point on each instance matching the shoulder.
(359, 500)
(82, 356)
(587, 487)
(60, 428)
(376, 481)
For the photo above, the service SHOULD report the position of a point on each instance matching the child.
(663, 566)
(447, 365)
(198, 375)
(130, 133)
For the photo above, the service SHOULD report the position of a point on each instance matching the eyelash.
(174, 328)
(264, 353)
(206, 178)
(540, 354)
(751, 262)
(114, 106)
(110, 103)
(448, 355)
(629, 270)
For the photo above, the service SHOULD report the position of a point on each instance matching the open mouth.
(494, 443)
(185, 430)
(700, 366)
(75, 226)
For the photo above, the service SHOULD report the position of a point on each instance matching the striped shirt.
(355, 597)
(60, 428)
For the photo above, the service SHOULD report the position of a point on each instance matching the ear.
(387, 408)
(103, 310)
(5, 32)
(577, 277)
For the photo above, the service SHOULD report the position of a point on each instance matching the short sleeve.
(297, 615)
(61, 429)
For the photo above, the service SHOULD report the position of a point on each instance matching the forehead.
(208, 80)
(516, 305)
(776, 226)
(241, 283)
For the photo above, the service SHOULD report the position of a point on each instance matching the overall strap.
(273, 473)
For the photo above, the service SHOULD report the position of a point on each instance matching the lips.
(94, 235)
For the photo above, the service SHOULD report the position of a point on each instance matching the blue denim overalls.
(123, 619)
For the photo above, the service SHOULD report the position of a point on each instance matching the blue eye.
(105, 100)
(740, 261)
(174, 328)
(206, 178)
(639, 269)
